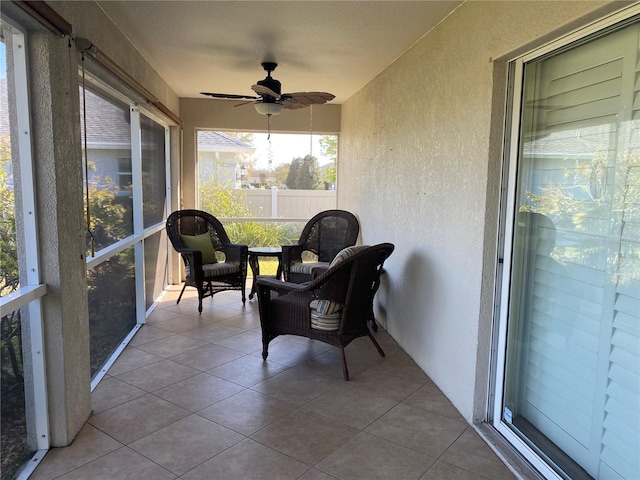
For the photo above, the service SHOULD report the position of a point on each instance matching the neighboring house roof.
(219, 142)
(108, 124)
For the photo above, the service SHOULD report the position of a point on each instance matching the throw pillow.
(202, 243)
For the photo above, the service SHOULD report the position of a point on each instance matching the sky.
(3, 61)
(285, 147)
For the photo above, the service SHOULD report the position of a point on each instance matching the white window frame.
(30, 294)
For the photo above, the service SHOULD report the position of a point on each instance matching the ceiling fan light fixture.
(264, 108)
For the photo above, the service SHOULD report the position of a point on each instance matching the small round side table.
(254, 253)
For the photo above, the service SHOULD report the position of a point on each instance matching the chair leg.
(380, 351)
(181, 292)
(345, 370)
(265, 349)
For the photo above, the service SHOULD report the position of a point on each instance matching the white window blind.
(573, 354)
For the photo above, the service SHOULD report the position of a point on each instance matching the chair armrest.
(278, 285)
(235, 252)
(192, 259)
(317, 271)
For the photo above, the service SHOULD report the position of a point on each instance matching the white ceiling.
(218, 46)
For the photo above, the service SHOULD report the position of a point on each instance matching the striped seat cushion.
(325, 315)
(216, 269)
(346, 253)
(307, 268)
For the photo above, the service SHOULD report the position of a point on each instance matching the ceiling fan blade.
(262, 90)
(229, 96)
(304, 99)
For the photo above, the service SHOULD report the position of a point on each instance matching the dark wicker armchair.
(212, 263)
(333, 308)
(324, 235)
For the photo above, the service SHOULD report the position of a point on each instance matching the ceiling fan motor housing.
(270, 82)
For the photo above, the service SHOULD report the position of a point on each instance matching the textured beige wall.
(420, 162)
(90, 22)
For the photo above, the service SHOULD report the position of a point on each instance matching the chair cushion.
(307, 268)
(202, 243)
(346, 253)
(218, 269)
(325, 315)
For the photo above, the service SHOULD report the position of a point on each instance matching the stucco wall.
(420, 150)
(90, 22)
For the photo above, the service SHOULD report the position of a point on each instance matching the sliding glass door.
(570, 381)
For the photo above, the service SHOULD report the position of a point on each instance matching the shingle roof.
(209, 138)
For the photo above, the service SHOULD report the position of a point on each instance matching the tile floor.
(191, 398)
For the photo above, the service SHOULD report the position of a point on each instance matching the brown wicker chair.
(203, 269)
(324, 235)
(333, 307)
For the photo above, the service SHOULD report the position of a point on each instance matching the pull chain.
(311, 130)
(86, 161)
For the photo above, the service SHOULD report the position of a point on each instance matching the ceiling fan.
(270, 100)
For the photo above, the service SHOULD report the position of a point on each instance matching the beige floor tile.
(160, 315)
(181, 323)
(171, 346)
(418, 429)
(247, 411)
(245, 342)
(123, 464)
(89, 445)
(130, 359)
(351, 405)
(430, 397)
(198, 392)
(299, 385)
(157, 375)
(305, 436)
(444, 471)
(207, 357)
(471, 453)
(367, 457)
(112, 392)
(396, 377)
(137, 418)
(250, 321)
(149, 333)
(315, 474)
(185, 444)
(248, 460)
(248, 370)
(213, 332)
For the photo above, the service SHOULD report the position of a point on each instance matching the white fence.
(300, 204)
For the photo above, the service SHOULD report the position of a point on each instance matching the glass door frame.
(507, 217)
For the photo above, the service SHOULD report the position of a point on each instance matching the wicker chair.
(333, 307)
(187, 231)
(324, 235)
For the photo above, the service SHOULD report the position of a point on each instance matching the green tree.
(329, 146)
(281, 173)
(305, 174)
